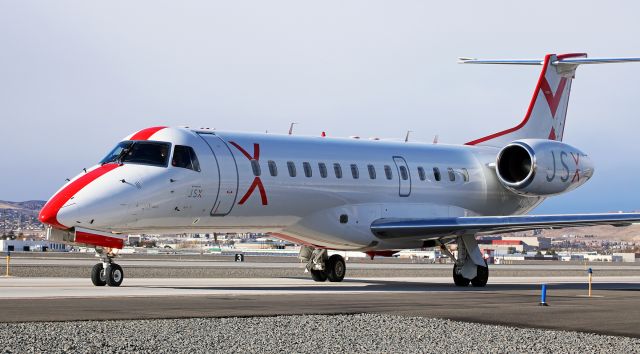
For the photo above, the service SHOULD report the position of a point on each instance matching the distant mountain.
(33, 206)
(20, 216)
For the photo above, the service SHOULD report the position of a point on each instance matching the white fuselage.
(320, 210)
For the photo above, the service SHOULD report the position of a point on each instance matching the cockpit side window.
(185, 157)
(153, 153)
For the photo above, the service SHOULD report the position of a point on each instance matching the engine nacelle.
(536, 167)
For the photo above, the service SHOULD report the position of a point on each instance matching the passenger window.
(421, 174)
(273, 168)
(465, 175)
(388, 172)
(255, 166)
(292, 168)
(354, 171)
(436, 174)
(404, 174)
(323, 169)
(372, 171)
(452, 175)
(307, 169)
(337, 169)
(185, 157)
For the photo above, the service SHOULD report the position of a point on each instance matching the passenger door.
(227, 173)
(404, 176)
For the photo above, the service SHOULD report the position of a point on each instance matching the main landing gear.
(470, 266)
(321, 266)
(107, 272)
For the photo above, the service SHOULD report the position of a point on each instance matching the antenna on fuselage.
(406, 138)
(435, 139)
(291, 127)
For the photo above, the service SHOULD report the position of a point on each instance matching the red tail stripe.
(49, 213)
(571, 55)
(529, 111)
(145, 134)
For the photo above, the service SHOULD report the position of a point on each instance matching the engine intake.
(535, 167)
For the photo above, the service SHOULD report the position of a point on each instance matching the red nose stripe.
(99, 240)
(49, 213)
(145, 134)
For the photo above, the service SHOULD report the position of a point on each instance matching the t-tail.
(547, 112)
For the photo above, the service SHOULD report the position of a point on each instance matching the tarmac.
(613, 309)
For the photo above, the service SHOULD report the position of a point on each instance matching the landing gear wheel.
(98, 275)
(483, 276)
(318, 275)
(458, 279)
(336, 268)
(115, 275)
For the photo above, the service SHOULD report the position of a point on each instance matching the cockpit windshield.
(140, 152)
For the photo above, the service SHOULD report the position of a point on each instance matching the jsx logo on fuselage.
(257, 182)
(563, 157)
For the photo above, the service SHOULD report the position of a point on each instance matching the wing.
(434, 228)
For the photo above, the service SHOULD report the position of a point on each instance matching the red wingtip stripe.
(145, 134)
(49, 213)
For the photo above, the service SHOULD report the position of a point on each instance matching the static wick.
(435, 139)
(291, 127)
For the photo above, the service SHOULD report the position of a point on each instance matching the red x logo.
(257, 183)
(576, 159)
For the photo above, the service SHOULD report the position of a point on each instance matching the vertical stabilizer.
(547, 112)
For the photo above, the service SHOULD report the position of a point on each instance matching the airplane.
(351, 194)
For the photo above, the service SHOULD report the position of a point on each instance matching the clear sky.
(77, 76)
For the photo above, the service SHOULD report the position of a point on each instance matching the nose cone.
(56, 211)
(49, 214)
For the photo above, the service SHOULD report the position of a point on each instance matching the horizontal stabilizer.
(559, 61)
(434, 228)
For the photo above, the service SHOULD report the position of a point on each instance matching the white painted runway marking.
(24, 288)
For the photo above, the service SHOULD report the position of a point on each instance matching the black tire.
(98, 277)
(336, 268)
(458, 279)
(482, 277)
(318, 275)
(115, 275)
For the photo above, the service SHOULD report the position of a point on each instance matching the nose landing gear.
(107, 272)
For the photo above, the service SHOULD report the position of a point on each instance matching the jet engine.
(537, 167)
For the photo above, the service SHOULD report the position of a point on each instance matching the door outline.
(400, 161)
(218, 200)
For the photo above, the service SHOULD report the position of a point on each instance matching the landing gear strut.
(470, 266)
(107, 272)
(321, 266)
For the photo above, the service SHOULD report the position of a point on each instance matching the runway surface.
(614, 308)
(161, 261)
